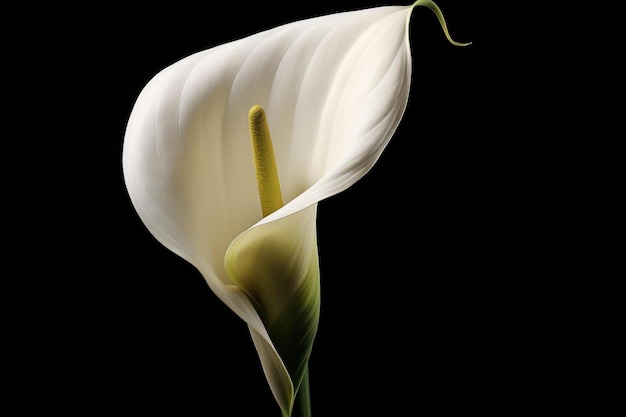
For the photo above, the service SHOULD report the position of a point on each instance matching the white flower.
(334, 89)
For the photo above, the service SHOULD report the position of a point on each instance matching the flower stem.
(302, 404)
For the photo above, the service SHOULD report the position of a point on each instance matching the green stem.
(302, 404)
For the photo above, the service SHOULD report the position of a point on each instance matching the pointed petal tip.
(437, 11)
(455, 43)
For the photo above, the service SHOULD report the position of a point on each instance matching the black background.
(420, 260)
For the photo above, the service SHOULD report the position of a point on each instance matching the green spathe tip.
(435, 9)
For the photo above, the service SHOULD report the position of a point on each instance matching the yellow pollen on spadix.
(264, 161)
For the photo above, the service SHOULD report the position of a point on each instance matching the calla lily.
(332, 91)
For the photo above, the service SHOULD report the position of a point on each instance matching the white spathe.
(334, 89)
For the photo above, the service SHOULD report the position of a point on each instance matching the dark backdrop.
(416, 258)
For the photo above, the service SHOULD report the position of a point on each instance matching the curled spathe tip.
(435, 9)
